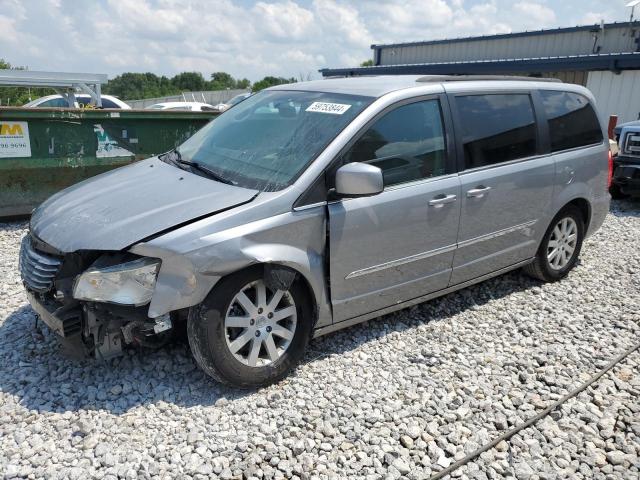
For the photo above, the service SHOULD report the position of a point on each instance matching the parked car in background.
(189, 106)
(618, 129)
(221, 107)
(82, 100)
(626, 165)
(318, 205)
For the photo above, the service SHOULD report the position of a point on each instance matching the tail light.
(610, 173)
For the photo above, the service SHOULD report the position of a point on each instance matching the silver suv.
(311, 207)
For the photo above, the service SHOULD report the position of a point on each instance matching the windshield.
(266, 141)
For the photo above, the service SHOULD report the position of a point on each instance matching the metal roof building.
(605, 58)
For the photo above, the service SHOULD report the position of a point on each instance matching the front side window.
(496, 128)
(266, 141)
(407, 144)
(572, 120)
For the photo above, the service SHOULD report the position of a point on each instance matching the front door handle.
(478, 192)
(440, 200)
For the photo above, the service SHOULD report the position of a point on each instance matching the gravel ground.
(405, 395)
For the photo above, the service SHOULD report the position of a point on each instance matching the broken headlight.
(129, 283)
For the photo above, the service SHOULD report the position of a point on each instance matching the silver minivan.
(314, 206)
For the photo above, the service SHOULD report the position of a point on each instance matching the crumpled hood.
(119, 208)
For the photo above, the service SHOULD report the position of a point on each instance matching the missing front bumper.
(66, 322)
(100, 331)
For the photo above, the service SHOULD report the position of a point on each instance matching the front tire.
(249, 334)
(560, 246)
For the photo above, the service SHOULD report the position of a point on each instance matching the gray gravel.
(405, 395)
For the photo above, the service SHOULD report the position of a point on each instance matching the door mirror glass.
(358, 180)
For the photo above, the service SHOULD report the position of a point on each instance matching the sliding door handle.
(478, 192)
(441, 200)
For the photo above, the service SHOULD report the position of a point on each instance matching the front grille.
(37, 269)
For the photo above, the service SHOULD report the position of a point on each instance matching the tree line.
(134, 86)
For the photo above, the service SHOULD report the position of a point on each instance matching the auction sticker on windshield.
(324, 107)
(14, 140)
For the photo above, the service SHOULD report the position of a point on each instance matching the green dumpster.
(43, 151)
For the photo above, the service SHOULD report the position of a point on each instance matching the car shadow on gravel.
(435, 310)
(41, 377)
(629, 207)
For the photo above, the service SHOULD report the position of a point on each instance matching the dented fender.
(179, 284)
(194, 260)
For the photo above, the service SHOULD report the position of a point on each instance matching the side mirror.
(358, 180)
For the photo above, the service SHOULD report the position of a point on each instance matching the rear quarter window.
(572, 120)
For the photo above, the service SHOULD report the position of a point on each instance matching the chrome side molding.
(400, 261)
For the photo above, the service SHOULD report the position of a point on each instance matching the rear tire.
(560, 246)
(237, 335)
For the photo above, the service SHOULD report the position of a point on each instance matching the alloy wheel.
(562, 243)
(260, 324)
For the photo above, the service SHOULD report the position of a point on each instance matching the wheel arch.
(282, 275)
(539, 268)
(210, 342)
(181, 284)
(584, 206)
(581, 203)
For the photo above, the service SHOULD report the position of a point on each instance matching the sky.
(252, 39)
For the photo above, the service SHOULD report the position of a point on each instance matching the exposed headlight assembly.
(129, 283)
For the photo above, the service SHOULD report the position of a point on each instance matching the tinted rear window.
(572, 120)
(496, 128)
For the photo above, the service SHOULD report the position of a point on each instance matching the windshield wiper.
(207, 171)
(175, 157)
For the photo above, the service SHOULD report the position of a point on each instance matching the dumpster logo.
(14, 140)
(11, 129)
(107, 146)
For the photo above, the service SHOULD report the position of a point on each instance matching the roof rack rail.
(463, 78)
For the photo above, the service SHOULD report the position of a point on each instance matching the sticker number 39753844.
(324, 107)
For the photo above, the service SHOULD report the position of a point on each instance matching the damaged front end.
(95, 301)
